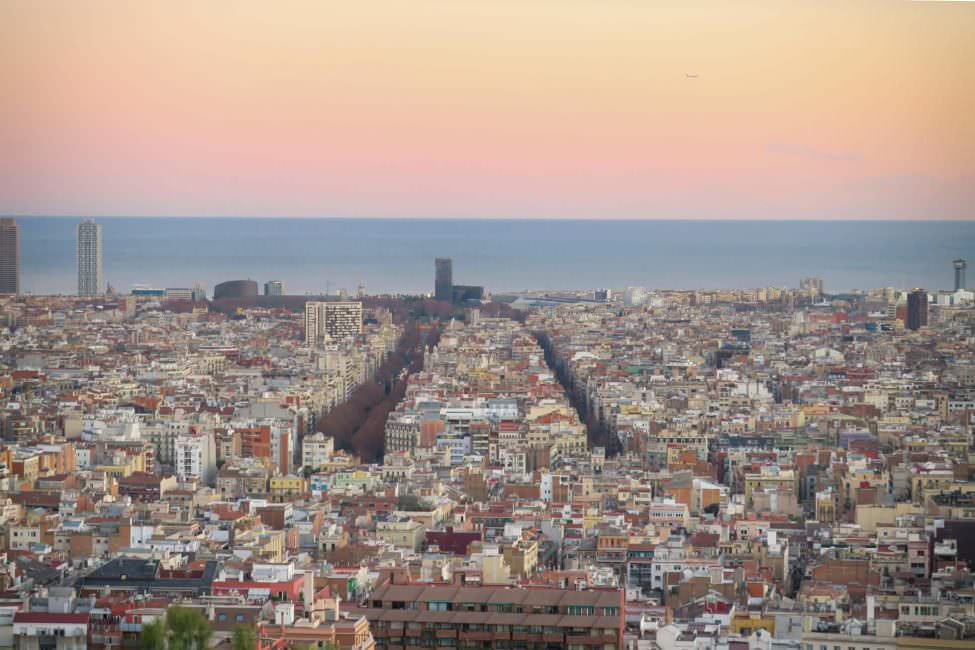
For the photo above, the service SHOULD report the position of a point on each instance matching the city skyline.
(485, 325)
(569, 110)
(393, 256)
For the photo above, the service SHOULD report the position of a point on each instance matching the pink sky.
(488, 108)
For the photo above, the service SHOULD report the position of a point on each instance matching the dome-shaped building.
(235, 289)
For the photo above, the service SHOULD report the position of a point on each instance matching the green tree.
(245, 638)
(712, 508)
(188, 629)
(409, 503)
(153, 636)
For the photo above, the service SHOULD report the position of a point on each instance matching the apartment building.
(332, 321)
(495, 617)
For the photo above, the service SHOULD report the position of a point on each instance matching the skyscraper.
(9, 256)
(89, 258)
(917, 309)
(274, 288)
(960, 266)
(335, 319)
(444, 279)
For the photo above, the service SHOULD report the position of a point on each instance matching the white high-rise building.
(196, 457)
(336, 320)
(316, 450)
(89, 258)
(312, 325)
(634, 296)
(283, 445)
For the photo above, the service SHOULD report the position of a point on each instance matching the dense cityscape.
(641, 468)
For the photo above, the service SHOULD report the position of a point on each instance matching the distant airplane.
(690, 76)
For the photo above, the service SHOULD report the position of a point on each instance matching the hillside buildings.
(704, 470)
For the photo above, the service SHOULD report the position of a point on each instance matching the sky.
(488, 109)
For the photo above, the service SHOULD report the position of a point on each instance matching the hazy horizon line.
(498, 218)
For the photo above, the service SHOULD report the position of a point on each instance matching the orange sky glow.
(496, 108)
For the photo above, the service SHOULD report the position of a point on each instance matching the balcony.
(587, 639)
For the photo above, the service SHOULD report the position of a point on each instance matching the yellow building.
(494, 570)
(402, 534)
(826, 506)
(771, 478)
(868, 516)
(134, 463)
(269, 544)
(287, 488)
(929, 482)
(521, 557)
(747, 624)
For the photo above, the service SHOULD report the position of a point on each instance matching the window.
(222, 617)
(239, 618)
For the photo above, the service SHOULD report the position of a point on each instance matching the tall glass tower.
(960, 266)
(89, 258)
(9, 256)
(443, 283)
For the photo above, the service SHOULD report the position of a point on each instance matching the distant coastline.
(504, 255)
(498, 218)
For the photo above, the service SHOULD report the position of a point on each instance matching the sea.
(503, 255)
